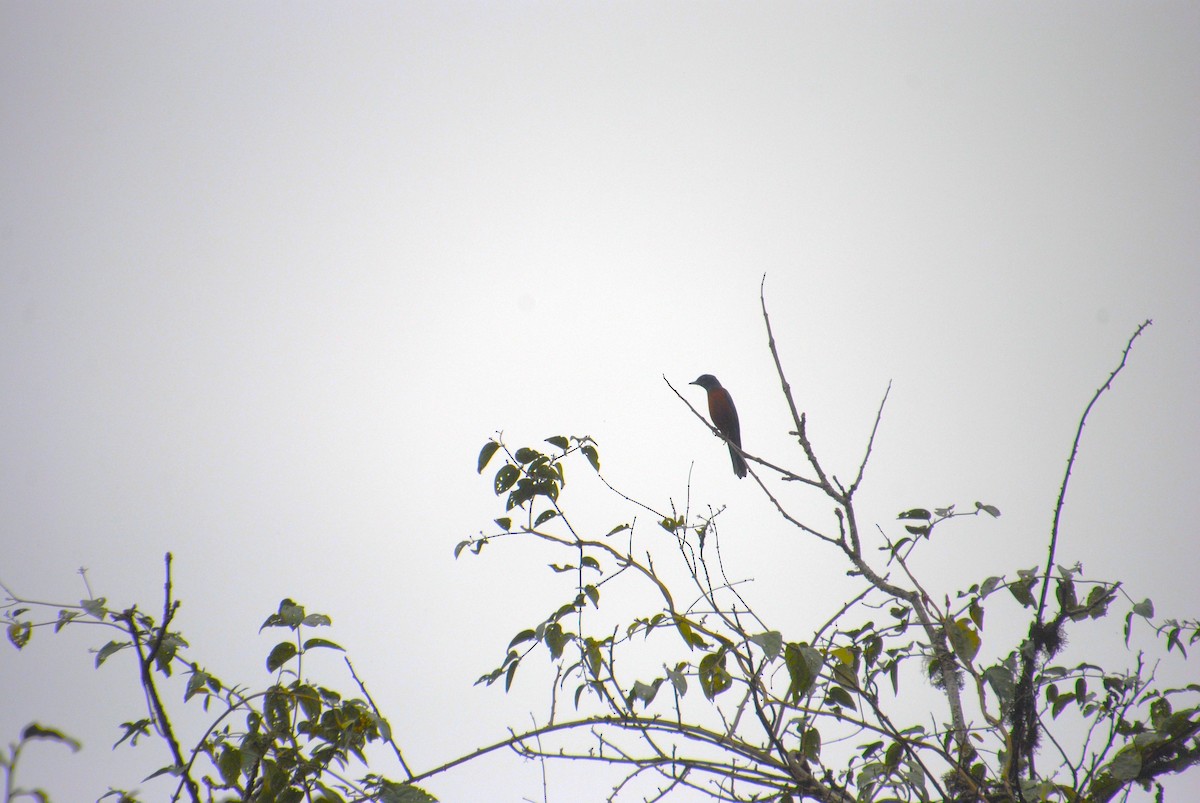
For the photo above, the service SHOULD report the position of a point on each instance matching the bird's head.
(707, 381)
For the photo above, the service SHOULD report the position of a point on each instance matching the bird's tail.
(739, 462)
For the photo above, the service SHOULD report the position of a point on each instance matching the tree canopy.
(665, 667)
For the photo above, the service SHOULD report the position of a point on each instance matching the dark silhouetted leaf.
(991, 510)
(281, 653)
(555, 639)
(526, 455)
(592, 455)
(838, 696)
(35, 731)
(522, 637)
(915, 513)
(313, 643)
(485, 455)
(505, 478)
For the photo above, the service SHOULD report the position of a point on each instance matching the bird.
(725, 418)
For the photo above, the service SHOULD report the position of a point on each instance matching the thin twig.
(1062, 493)
(870, 442)
(391, 740)
(146, 664)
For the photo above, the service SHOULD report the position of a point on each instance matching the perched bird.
(725, 419)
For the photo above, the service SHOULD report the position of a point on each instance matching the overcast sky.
(271, 273)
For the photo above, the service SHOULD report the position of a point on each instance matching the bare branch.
(1062, 493)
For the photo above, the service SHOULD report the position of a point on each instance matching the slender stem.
(1062, 493)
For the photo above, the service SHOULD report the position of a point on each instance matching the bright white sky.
(271, 273)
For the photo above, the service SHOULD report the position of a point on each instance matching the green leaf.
(94, 607)
(526, 455)
(589, 562)
(1127, 764)
(508, 676)
(559, 441)
(839, 697)
(690, 637)
(771, 643)
(644, 692)
(976, 613)
(390, 792)
(915, 513)
(19, 634)
(1144, 609)
(317, 620)
(1061, 702)
(810, 744)
(320, 642)
(283, 652)
(555, 639)
(36, 731)
(108, 649)
(714, 677)
(229, 763)
(1001, 681)
(173, 770)
(133, 731)
(1064, 591)
(617, 529)
(678, 678)
(65, 617)
(964, 640)
(872, 650)
(1023, 592)
(803, 664)
(991, 510)
(485, 455)
(891, 757)
(522, 637)
(544, 517)
(505, 478)
(289, 615)
(593, 656)
(593, 594)
(592, 455)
